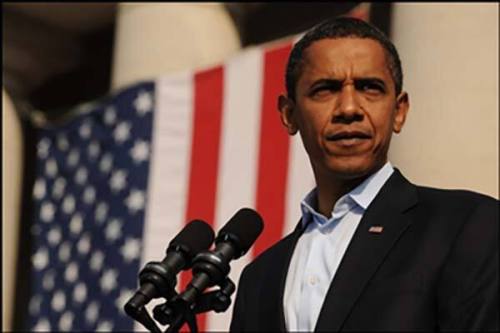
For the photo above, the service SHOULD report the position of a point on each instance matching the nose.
(347, 108)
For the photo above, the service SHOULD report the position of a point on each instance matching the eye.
(325, 89)
(320, 90)
(370, 86)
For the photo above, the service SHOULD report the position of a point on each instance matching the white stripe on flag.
(169, 168)
(169, 165)
(300, 182)
(239, 154)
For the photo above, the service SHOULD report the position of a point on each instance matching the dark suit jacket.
(434, 267)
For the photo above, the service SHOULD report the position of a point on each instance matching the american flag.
(115, 184)
(90, 196)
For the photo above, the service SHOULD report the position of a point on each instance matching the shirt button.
(313, 280)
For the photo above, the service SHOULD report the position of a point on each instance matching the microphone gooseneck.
(158, 279)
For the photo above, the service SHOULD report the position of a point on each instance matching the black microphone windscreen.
(194, 238)
(246, 225)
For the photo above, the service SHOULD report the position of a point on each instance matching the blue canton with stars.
(89, 203)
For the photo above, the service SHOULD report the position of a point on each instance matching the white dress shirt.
(320, 249)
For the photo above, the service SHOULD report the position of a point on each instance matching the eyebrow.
(335, 82)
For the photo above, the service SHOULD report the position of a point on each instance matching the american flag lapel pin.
(376, 229)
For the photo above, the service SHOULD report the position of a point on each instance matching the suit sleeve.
(468, 285)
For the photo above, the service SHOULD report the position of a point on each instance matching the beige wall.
(12, 163)
(154, 39)
(450, 60)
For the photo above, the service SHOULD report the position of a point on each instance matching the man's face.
(346, 108)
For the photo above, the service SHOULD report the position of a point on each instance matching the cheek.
(311, 131)
(312, 125)
(381, 118)
(383, 130)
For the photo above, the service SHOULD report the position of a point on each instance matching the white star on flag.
(122, 132)
(113, 230)
(81, 175)
(131, 250)
(101, 212)
(66, 321)
(68, 205)
(96, 261)
(80, 292)
(92, 312)
(108, 280)
(73, 158)
(89, 195)
(106, 163)
(58, 189)
(34, 305)
(71, 272)
(62, 143)
(47, 212)
(51, 167)
(135, 201)
(76, 224)
(48, 281)
(110, 115)
(93, 149)
(118, 180)
(43, 148)
(39, 189)
(83, 245)
(140, 151)
(54, 236)
(104, 326)
(85, 130)
(143, 103)
(64, 251)
(42, 325)
(58, 301)
(40, 259)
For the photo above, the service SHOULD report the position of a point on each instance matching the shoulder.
(433, 196)
(444, 211)
(451, 213)
(456, 195)
(457, 200)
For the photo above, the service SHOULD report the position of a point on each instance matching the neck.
(331, 187)
(329, 192)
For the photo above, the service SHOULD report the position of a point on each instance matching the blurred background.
(59, 56)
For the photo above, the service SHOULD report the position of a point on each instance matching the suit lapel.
(272, 312)
(367, 250)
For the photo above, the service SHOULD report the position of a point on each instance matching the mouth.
(348, 136)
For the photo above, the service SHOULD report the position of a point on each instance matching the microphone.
(159, 278)
(211, 267)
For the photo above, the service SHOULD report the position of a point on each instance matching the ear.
(286, 107)
(402, 108)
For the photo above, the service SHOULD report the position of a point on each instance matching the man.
(372, 251)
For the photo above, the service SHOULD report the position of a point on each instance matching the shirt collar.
(362, 195)
(365, 192)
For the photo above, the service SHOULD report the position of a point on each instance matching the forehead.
(345, 56)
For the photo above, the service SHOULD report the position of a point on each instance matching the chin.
(352, 168)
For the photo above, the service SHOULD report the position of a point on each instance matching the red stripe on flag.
(273, 151)
(202, 189)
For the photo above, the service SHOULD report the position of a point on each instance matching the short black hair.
(342, 27)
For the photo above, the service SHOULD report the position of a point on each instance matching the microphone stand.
(153, 277)
(176, 311)
(142, 316)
